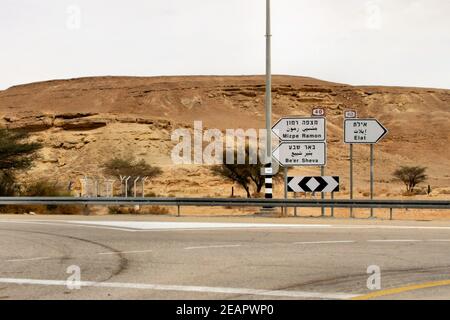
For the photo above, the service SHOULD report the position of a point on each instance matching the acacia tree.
(411, 176)
(246, 174)
(15, 154)
(121, 168)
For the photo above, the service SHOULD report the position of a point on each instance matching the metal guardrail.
(219, 202)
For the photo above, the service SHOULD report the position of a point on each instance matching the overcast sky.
(385, 42)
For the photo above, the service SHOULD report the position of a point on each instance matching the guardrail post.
(295, 209)
(178, 211)
(86, 210)
(391, 213)
(332, 207)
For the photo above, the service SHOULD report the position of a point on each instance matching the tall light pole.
(268, 105)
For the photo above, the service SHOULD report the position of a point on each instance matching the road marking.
(124, 252)
(28, 259)
(65, 224)
(212, 247)
(415, 287)
(439, 240)
(214, 290)
(325, 242)
(153, 225)
(388, 227)
(395, 240)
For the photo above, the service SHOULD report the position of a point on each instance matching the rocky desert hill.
(83, 122)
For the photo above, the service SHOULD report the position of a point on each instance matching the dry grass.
(150, 210)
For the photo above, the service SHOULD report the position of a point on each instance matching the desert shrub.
(44, 189)
(151, 194)
(151, 210)
(42, 209)
(444, 191)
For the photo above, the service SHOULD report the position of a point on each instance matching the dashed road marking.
(213, 247)
(29, 259)
(394, 240)
(124, 252)
(326, 242)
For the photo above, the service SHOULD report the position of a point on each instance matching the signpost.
(313, 184)
(320, 112)
(290, 154)
(363, 131)
(300, 129)
(302, 143)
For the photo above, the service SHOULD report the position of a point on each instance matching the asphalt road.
(160, 258)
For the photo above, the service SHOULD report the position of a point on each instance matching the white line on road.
(177, 226)
(149, 226)
(439, 240)
(28, 259)
(124, 252)
(65, 224)
(395, 240)
(214, 290)
(212, 247)
(325, 242)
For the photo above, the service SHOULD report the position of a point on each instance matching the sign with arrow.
(363, 131)
(292, 154)
(313, 184)
(300, 129)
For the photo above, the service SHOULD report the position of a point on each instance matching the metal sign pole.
(285, 188)
(351, 178)
(371, 176)
(322, 173)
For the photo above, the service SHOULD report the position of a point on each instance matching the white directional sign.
(292, 154)
(300, 129)
(364, 131)
(313, 184)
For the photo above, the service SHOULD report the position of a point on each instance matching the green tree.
(411, 176)
(121, 168)
(16, 154)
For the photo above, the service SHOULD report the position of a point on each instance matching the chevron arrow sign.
(313, 184)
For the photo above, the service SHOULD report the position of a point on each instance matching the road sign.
(313, 184)
(293, 154)
(318, 112)
(351, 114)
(364, 131)
(300, 129)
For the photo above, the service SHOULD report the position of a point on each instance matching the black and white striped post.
(269, 182)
